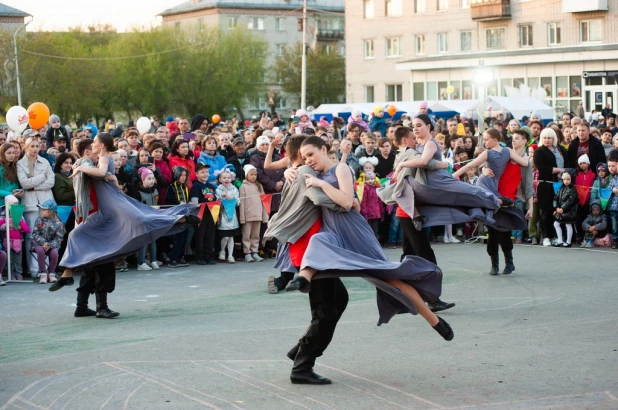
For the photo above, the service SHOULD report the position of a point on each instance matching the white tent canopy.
(518, 107)
(466, 108)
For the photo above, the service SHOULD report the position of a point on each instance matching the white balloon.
(143, 125)
(17, 118)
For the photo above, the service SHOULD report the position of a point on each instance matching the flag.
(16, 212)
(557, 186)
(583, 193)
(200, 214)
(64, 212)
(360, 189)
(230, 207)
(214, 208)
(385, 182)
(267, 200)
(605, 194)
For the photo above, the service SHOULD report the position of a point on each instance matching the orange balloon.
(38, 114)
(392, 110)
(216, 118)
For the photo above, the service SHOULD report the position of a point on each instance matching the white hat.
(583, 158)
(247, 168)
(262, 140)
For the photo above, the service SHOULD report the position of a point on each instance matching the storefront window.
(546, 83)
(456, 94)
(594, 81)
(562, 87)
(432, 90)
(506, 82)
(442, 89)
(517, 82)
(466, 87)
(573, 106)
(492, 89)
(534, 83)
(562, 106)
(575, 86)
(419, 91)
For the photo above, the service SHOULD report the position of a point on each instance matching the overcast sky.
(123, 14)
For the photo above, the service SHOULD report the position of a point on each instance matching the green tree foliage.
(169, 72)
(325, 74)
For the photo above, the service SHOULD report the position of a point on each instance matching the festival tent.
(403, 107)
(328, 110)
(448, 108)
(518, 107)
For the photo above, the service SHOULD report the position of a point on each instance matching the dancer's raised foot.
(418, 222)
(299, 283)
(440, 306)
(444, 329)
(62, 281)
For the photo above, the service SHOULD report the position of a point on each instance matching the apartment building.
(10, 18)
(279, 22)
(400, 50)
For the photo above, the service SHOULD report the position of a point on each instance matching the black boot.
(199, 258)
(293, 352)
(208, 259)
(439, 305)
(302, 372)
(495, 265)
(104, 312)
(444, 329)
(82, 305)
(299, 283)
(61, 283)
(509, 267)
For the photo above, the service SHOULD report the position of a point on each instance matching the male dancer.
(415, 242)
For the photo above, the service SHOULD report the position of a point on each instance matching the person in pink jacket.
(15, 238)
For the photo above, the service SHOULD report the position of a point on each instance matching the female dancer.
(345, 246)
(125, 224)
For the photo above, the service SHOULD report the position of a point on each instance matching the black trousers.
(68, 227)
(205, 236)
(414, 242)
(99, 278)
(328, 299)
(497, 240)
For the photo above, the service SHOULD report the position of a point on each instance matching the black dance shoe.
(507, 202)
(299, 283)
(309, 377)
(61, 283)
(439, 306)
(418, 222)
(444, 329)
(107, 313)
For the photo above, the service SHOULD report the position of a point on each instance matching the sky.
(57, 15)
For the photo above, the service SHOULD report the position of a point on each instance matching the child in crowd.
(372, 208)
(252, 214)
(369, 165)
(303, 122)
(224, 146)
(15, 239)
(357, 118)
(203, 192)
(612, 205)
(332, 155)
(47, 235)
(147, 193)
(472, 175)
(565, 210)
(228, 227)
(178, 193)
(55, 130)
(595, 227)
(377, 122)
(210, 156)
(601, 181)
(460, 158)
(585, 177)
(3, 259)
(369, 147)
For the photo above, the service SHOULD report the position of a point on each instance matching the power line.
(109, 58)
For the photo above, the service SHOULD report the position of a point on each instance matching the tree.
(325, 74)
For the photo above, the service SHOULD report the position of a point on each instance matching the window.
(465, 40)
(525, 36)
(432, 90)
(419, 45)
(368, 9)
(369, 94)
(342, 51)
(200, 24)
(590, 30)
(392, 47)
(495, 38)
(442, 42)
(419, 6)
(232, 22)
(464, 4)
(553, 34)
(255, 23)
(281, 104)
(279, 50)
(327, 49)
(442, 5)
(418, 90)
(394, 92)
(369, 53)
(393, 8)
(279, 24)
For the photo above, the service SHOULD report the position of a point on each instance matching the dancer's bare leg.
(307, 273)
(418, 301)
(68, 273)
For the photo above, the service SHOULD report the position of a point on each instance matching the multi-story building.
(11, 19)
(278, 22)
(415, 49)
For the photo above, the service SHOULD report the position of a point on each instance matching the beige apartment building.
(402, 50)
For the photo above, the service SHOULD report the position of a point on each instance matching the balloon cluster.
(18, 118)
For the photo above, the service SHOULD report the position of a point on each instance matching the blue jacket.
(6, 187)
(378, 124)
(216, 162)
(613, 200)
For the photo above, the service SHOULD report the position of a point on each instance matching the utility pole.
(303, 86)
(17, 62)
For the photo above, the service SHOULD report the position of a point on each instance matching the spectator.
(37, 179)
(92, 127)
(345, 155)
(47, 234)
(145, 160)
(210, 156)
(252, 214)
(9, 183)
(181, 156)
(55, 130)
(585, 177)
(565, 210)
(595, 227)
(15, 239)
(583, 144)
(239, 160)
(157, 150)
(64, 193)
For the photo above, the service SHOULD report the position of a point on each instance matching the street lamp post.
(303, 81)
(17, 62)
(482, 78)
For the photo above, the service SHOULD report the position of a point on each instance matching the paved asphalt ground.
(545, 337)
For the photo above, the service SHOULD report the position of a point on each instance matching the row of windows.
(394, 92)
(394, 8)
(495, 38)
(328, 49)
(257, 23)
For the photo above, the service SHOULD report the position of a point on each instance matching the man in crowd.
(583, 144)
(566, 120)
(536, 127)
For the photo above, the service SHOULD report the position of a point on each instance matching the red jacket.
(584, 179)
(187, 163)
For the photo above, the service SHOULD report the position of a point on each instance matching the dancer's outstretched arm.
(474, 163)
(282, 163)
(344, 196)
(515, 157)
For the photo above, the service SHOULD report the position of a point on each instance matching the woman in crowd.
(9, 183)
(37, 179)
(549, 160)
(143, 161)
(181, 156)
(64, 193)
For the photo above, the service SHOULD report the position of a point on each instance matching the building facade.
(11, 19)
(278, 22)
(415, 50)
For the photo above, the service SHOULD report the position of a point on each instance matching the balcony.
(579, 6)
(330, 35)
(488, 10)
